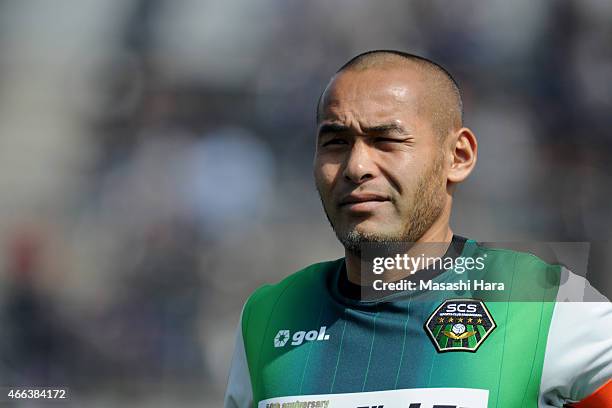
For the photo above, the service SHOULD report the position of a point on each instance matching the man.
(391, 150)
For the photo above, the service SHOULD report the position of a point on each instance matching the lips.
(362, 198)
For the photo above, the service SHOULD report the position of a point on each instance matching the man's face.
(378, 165)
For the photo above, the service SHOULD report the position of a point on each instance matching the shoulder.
(304, 283)
(539, 264)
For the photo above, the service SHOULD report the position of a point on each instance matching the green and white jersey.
(306, 342)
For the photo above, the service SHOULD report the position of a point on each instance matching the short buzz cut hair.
(443, 99)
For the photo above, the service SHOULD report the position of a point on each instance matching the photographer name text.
(468, 285)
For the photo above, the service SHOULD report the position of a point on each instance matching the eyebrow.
(337, 128)
(332, 128)
(385, 128)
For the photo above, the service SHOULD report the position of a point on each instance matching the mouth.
(364, 202)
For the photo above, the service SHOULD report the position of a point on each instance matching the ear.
(463, 154)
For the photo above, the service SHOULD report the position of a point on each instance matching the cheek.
(402, 175)
(325, 175)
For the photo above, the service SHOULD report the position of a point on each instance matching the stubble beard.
(427, 205)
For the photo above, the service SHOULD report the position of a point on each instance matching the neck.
(433, 243)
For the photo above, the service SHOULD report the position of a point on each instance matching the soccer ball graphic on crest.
(458, 329)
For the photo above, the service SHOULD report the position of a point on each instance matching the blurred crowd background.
(155, 165)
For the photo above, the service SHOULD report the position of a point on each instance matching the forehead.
(372, 95)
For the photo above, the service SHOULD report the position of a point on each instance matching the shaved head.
(439, 97)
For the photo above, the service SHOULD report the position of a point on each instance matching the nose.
(359, 166)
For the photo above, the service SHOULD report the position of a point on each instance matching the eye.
(334, 141)
(388, 140)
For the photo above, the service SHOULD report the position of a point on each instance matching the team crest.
(459, 325)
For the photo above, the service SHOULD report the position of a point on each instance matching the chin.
(374, 233)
